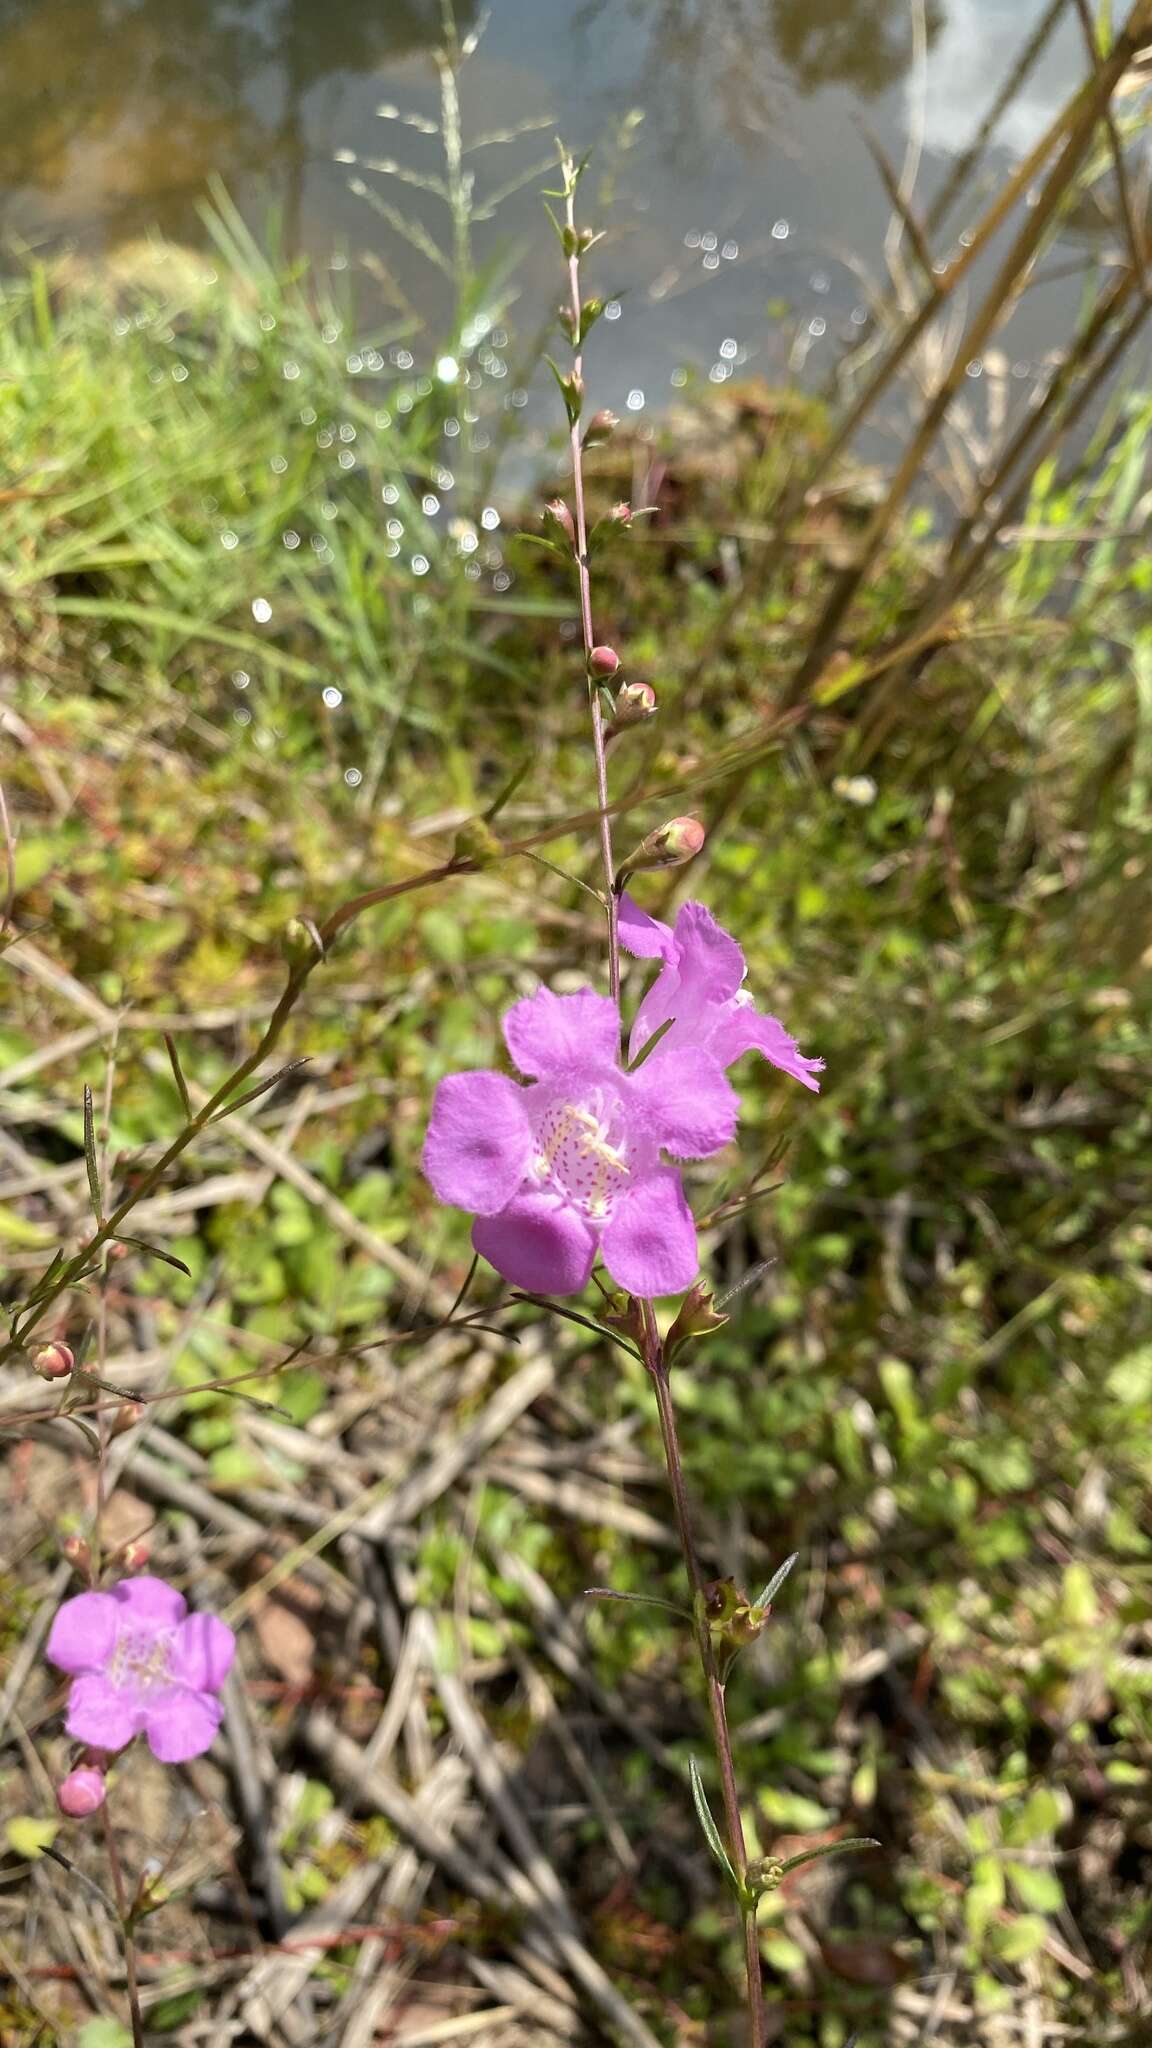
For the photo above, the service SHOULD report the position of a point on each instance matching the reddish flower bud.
(621, 513)
(82, 1793)
(667, 847)
(557, 511)
(127, 1415)
(601, 427)
(54, 1361)
(635, 702)
(135, 1556)
(603, 661)
(78, 1552)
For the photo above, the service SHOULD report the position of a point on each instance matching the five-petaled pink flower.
(142, 1664)
(571, 1164)
(700, 987)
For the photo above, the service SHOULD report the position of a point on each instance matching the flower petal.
(744, 1029)
(710, 962)
(538, 1243)
(102, 1714)
(83, 1635)
(685, 1101)
(546, 1033)
(642, 935)
(151, 1603)
(649, 1246)
(202, 1653)
(479, 1141)
(182, 1724)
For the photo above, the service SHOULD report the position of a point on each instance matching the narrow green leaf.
(636, 1600)
(90, 1159)
(776, 1581)
(710, 1830)
(650, 1044)
(831, 1849)
(141, 1244)
(178, 1074)
(261, 1088)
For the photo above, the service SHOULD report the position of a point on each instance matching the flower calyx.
(635, 705)
(600, 428)
(698, 1316)
(476, 845)
(733, 1620)
(669, 846)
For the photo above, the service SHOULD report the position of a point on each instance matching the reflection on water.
(123, 109)
(745, 186)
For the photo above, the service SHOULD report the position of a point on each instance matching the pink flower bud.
(635, 702)
(78, 1552)
(82, 1793)
(601, 427)
(557, 511)
(54, 1361)
(603, 661)
(621, 513)
(667, 847)
(135, 1556)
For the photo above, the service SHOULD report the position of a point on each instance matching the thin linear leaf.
(45, 1280)
(650, 1044)
(512, 135)
(495, 200)
(389, 168)
(261, 1088)
(141, 1244)
(90, 1159)
(411, 232)
(831, 1849)
(709, 1827)
(746, 1280)
(420, 122)
(636, 1600)
(508, 790)
(178, 1074)
(571, 1315)
(776, 1581)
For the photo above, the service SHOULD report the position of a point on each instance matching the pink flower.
(82, 1793)
(571, 1164)
(142, 1664)
(700, 987)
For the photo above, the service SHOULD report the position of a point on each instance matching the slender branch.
(126, 1929)
(717, 1704)
(584, 580)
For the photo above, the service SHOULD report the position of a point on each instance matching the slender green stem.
(584, 580)
(714, 1684)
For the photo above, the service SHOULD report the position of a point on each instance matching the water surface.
(748, 215)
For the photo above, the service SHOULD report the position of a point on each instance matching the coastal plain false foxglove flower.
(571, 1164)
(700, 987)
(141, 1664)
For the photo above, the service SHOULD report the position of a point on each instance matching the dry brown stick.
(540, 1883)
(1090, 104)
(1132, 228)
(379, 1791)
